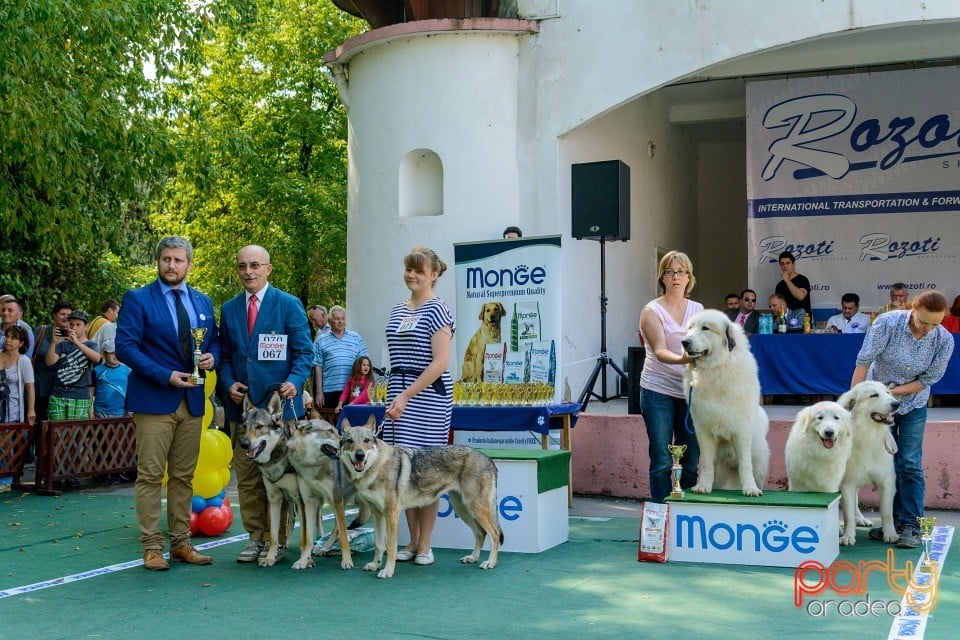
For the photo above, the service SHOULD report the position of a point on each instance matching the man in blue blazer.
(154, 340)
(265, 339)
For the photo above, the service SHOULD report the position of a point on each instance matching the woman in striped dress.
(419, 400)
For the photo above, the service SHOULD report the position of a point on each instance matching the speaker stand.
(603, 361)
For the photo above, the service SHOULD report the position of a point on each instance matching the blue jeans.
(911, 487)
(664, 417)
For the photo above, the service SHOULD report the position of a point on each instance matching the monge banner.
(858, 176)
(508, 310)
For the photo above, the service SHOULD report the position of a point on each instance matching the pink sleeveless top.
(667, 378)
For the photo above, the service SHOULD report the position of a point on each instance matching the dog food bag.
(525, 325)
(493, 356)
(653, 532)
(516, 367)
(543, 362)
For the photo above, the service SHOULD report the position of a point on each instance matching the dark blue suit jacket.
(147, 343)
(280, 314)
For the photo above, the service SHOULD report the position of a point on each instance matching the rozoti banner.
(857, 175)
(508, 309)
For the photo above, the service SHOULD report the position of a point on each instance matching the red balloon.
(226, 502)
(213, 521)
(228, 512)
(194, 523)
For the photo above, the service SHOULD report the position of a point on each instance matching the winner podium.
(777, 529)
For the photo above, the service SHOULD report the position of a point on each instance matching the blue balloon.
(198, 504)
(223, 493)
(215, 501)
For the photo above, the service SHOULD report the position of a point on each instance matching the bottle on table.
(782, 323)
(806, 324)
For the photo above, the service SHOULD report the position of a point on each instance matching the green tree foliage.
(81, 146)
(261, 142)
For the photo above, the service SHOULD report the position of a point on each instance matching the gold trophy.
(198, 333)
(926, 527)
(676, 452)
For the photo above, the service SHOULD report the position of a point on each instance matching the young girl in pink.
(358, 384)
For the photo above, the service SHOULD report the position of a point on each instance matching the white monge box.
(531, 504)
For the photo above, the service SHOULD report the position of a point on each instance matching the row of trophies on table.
(483, 394)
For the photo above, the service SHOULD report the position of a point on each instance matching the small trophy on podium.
(198, 333)
(676, 452)
(926, 528)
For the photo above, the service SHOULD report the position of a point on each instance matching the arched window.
(421, 184)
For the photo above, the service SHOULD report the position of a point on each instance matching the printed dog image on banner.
(491, 315)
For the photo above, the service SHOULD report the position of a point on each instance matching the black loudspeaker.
(635, 358)
(601, 200)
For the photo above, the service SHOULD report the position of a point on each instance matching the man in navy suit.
(265, 339)
(154, 340)
(746, 316)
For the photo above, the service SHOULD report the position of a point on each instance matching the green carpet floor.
(590, 586)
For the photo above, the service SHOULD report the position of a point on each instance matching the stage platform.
(610, 453)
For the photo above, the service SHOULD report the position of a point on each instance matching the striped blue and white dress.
(426, 420)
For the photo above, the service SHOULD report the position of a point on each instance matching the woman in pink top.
(663, 324)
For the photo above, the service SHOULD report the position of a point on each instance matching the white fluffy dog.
(871, 406)
(818, 448)
(723, 389)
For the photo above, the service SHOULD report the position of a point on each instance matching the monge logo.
(808, 121)
(509, 507)
(519, 276)
(693, 532)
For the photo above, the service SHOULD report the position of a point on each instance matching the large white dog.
(818, 448)
(871, 407)
(723, 389)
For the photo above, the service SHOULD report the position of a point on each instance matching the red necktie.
(743, 319)
(251, 314)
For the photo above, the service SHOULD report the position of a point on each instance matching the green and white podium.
(531, 503)
(777, 529)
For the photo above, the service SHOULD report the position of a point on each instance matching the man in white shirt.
(850, 320)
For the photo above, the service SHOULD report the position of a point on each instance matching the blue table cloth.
(822, 364)
(522, 418)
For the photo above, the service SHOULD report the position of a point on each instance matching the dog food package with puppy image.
(516, 367)
(525, 325)
(543, 362)
(493, 357)
(653, 532)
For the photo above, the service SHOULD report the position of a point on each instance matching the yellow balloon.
(209, 458)
(210, 384)
(225, 448)
(224, 476)
(208, 411)
(207, 483)
(165, 476)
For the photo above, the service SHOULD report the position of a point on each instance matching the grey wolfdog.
(390, 478)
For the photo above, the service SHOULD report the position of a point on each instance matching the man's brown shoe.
(154, 560)
(187, 553)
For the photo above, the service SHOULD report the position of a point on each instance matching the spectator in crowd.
(732, 301)
(260, 311)
(110, 378)
(898, 296)
(109, 384)
(16, 384)
(663, 324)
(318, 318)
(155, 341)
(795, 289)
(73, 357)
(334, 354)
(778, 307)
(108, 313)
(358, 386)
(849, 320)
(512, 232)
(44, 375)
(908, 351)
(420, 398)
(951, 321)
(746, 315)
(11, 313)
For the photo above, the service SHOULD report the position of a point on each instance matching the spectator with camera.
(72, 356)
(43, 374)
